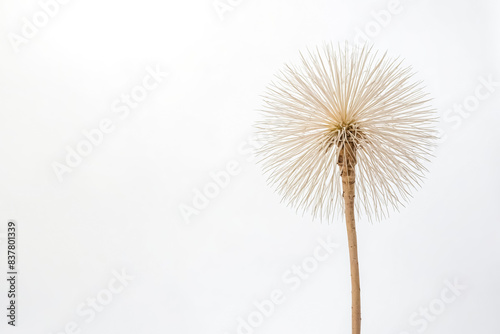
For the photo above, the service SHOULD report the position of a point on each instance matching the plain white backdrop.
(104, 246)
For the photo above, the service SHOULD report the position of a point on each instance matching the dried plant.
(346, 121)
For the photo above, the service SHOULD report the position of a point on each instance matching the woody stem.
(347, 161)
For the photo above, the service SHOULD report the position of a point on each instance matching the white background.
(119, 209)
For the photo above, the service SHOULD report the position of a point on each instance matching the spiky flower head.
(340, 95)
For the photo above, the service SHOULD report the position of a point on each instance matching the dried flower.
(346, 117)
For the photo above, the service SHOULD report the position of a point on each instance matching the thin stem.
(347, 161)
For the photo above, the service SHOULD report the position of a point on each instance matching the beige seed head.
(341, 94)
